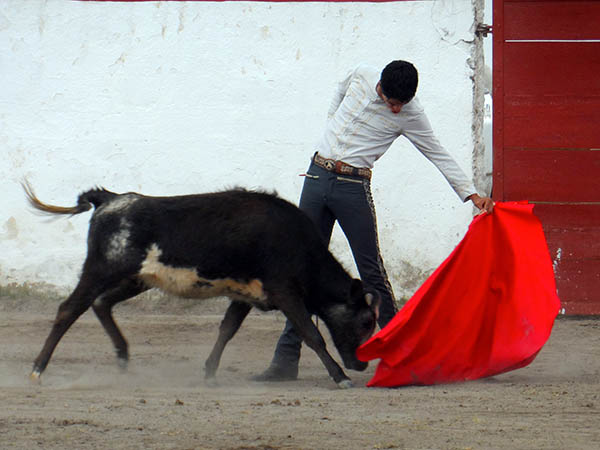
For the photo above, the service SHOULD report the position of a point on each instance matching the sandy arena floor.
(84, 402)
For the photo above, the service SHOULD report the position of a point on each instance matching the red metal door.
(547, 132)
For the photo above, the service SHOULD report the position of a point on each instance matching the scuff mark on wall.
(119, 60)
(265, 33)
(17, 158)
(181, 19)
(11, 231)
(4, 22)
(407, 278)
(556, 261)
(448, 18)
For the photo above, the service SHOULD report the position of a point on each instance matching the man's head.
(399, 80)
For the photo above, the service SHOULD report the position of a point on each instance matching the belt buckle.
(329, 164)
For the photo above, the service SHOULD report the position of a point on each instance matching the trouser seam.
(367, 187)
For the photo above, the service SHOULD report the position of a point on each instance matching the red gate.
(547, 131)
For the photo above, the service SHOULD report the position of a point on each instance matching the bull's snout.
(360, 366)
(356, 364)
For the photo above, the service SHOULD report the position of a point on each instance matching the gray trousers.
(327, 197)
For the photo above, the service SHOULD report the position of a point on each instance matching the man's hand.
(484, 204)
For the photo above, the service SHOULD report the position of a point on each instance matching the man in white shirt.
(369, 111)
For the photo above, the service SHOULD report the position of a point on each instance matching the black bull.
(252, 247)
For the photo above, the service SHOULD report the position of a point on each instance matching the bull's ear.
(356, 289)
(373, 300)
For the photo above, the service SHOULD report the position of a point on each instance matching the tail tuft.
(94, 197)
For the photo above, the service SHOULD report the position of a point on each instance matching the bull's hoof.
(345, 384)
(34, 377)
(122, 363)
(211, 382)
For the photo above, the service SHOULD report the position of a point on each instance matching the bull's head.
(352, 322)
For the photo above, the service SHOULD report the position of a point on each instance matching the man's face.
(394, 105)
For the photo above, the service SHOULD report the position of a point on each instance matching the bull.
(252, 247)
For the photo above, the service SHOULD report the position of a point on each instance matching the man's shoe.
(277, 373)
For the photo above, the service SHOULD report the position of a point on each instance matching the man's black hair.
(399, 80)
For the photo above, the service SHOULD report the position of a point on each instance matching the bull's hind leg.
(103, 305)
(69, 311)
(234, 316)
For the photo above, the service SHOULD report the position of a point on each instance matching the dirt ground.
(84, 402)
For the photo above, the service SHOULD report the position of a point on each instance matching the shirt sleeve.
(419, 132)
(340, 93)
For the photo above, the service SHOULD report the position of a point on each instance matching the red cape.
(489, 308)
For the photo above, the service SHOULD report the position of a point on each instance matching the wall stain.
(265, 32)
(120, 60)
(181, 17)
(11, 231)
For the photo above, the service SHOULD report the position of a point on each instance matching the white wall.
(181, 97)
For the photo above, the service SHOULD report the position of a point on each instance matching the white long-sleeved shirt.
(360, 129)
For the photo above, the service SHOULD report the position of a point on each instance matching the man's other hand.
(484, 204)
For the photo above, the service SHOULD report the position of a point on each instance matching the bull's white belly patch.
(185, 282)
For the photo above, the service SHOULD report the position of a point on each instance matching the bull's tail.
(94, 197)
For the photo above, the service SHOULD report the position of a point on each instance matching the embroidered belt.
(341, 167)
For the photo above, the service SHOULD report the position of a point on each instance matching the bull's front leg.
(234, 316)
(297, 314)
